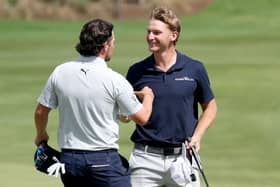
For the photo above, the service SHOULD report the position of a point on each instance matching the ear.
(106, 46)
(174, 36)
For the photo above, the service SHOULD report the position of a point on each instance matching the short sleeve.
(205, 93)
(126, 99)
(48, 96)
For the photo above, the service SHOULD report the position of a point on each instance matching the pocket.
(180, 171)
(97, 161)
(135, 159)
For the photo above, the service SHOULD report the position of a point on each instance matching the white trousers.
(152, 170)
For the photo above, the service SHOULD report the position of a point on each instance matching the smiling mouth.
(152, 44)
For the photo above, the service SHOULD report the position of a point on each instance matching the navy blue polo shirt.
(177, 95)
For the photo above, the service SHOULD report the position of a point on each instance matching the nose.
(150, 36)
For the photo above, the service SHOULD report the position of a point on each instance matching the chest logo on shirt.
(184, 79)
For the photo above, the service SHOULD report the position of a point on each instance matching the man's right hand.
(146, 91)
(41, 138)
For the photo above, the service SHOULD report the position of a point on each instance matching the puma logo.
(84, 71)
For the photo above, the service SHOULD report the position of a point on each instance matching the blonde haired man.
(180, 84)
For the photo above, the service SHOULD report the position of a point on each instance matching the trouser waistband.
(78, 151)
(159, 150)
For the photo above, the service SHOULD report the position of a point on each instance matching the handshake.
(145, 95)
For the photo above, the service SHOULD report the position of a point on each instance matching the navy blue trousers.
(105, 168)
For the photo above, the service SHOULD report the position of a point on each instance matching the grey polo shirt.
(89, 96)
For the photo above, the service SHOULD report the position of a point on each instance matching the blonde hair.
(168, 17)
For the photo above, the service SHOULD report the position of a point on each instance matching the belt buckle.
(177, 150)
(172, 151)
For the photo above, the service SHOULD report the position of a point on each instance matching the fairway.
(239, 44)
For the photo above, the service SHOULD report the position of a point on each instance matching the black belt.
(159, 150)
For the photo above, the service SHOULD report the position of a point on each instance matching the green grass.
(238, 43)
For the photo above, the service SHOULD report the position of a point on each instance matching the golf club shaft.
(198, 163)
(195, 155)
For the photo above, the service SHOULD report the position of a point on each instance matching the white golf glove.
(54, 169)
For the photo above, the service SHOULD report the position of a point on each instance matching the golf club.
(198, 162)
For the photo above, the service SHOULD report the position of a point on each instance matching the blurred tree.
(139, 2)
(61, 2)
(117, 9)
(12, 2)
